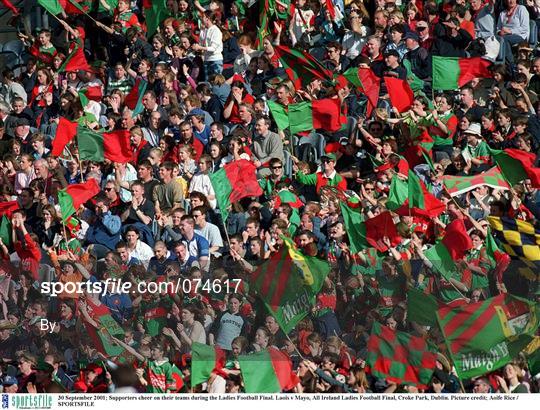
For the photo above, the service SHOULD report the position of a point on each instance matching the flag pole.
(295, 348)
(79, 7)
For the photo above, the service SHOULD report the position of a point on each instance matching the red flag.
(401, 95)
(380, 226)
(6, 208)
(117, 146)
(371, 86)
(326, 114)
(65, 132)
(76, 61)
(80, 193)
(456, 239)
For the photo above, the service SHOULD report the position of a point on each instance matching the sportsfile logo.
(34, 401)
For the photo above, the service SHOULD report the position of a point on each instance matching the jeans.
(505, 53)
(213, 67)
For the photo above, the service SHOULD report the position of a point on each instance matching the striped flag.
(288, 284)
(302, 68)
(400, 357)
(484, 336)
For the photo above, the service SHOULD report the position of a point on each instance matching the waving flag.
(400, 357)
(269, 371)
(288, 284)
(235, 181)
(302, 68)
(451, 73)
(493, 178)
(484, 336)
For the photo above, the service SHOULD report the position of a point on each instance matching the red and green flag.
(269, 371)
(451, 73)
(400, 357)
(484, 336)
(400, 93)
(74, 7)
(458, 185)
(94, 93)
(412, 198)
(204, 360)
(96, 146)
(422, 307)
(52, 6)
(322, 114)
(72, 197)
(134, 99)
(65, 132)
(517, 165)
(368, 233)
(101, 336)
(452, 248)
(365, 80)
(302, 68)
(75, 61)
(236, 180)
(288, 284)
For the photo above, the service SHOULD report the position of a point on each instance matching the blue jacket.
(106, 231)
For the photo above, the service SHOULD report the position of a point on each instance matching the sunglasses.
(108, 189)
(280, 167)
(326, 161)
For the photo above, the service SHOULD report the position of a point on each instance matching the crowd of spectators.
(210, 70)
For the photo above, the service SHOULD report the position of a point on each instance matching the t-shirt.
(226, 328)
(159, 376)
(198, 246)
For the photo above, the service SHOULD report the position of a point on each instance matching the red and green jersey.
(320, 180)
(126, 20)
(481, 152)
(155, 315)
(160, 377)
(479, 258)
(440, 137)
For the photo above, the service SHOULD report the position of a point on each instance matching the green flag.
(5, 230)
(288, 284)
(422, 307)
(484, 336)
(52, 6)
(355, 227)
(155, 15)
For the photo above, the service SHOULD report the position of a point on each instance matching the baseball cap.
(412, 35)
(329, 155)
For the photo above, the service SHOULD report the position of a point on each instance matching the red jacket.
(30, 255)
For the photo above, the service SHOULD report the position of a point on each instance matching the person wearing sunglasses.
(327, 176)
(268, 183)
